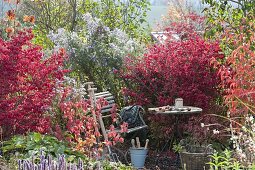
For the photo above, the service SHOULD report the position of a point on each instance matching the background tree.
(128, 16)
(50, 14)
(179, 9)
(227, 14)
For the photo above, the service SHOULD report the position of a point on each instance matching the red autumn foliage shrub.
(27, 84)
(175, 69)
(34, 97)
(237, 73)
(190, 25)
(75, 120)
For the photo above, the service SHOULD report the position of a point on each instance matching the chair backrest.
(140, 124)
(106, 109)
(133, 116)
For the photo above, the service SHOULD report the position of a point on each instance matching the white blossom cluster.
(59, 38)
(119, 44)
(91, 23)
(244, 141)
(65, 39)
(78, 89)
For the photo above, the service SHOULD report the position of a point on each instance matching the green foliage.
(34, 145)
(115, 166)
(50, 14)
(129, 16)
(41, 39)
(4, 165)
(177, 147)
(31, 145)
(227, 13)
(224, 161)
(229, 17)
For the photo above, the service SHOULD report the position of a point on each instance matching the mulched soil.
(156, 160)
(161, 163)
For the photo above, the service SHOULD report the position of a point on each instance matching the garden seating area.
(88, 84)
(127, 114)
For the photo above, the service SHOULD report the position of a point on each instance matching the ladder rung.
(103, 93)
(110, 104)
(107, 98)
(136, 128)
(130, 130)
(105, 116)
(106, 110)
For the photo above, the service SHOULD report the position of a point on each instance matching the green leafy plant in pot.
(193, 155)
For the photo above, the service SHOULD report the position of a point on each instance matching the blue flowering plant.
(97, 52)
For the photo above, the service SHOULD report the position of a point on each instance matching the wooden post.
(93, 102)
(92, 98)
(91, 94)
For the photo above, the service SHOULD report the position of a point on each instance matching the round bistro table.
(176, 112)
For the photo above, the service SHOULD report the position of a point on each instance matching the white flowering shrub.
(244, 141)
(242, 138)
(96, 51)
(78, 89)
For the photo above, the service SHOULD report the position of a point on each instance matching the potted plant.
(193, 155)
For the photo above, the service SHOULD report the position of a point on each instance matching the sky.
(159, 8)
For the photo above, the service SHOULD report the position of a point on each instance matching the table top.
(172, 110)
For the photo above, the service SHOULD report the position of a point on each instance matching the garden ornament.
(133, 143)
(138, 142)
(146, 144)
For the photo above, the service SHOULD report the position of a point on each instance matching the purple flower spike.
(56, 167)
(80, 164)
(47, 163)
(20, 167)
(26, 165)
(36, 167)
(44, 164)
(42, 157)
